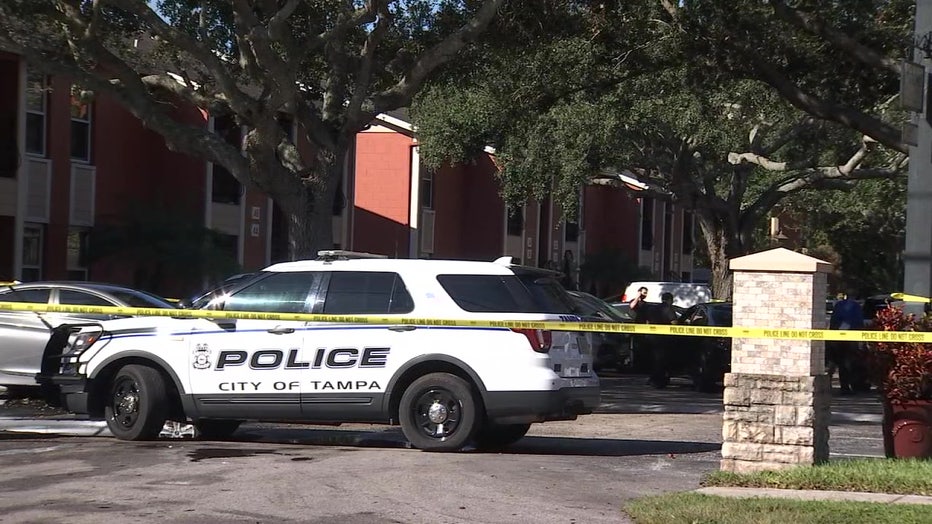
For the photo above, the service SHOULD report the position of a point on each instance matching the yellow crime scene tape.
(909, 298)
(603, 327)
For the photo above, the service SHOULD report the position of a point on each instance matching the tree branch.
(239, 102)
(364, 72)
(402, 92)
(864, 123)
(831, 177)
(764, 162)
(819, 28)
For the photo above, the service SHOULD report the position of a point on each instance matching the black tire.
(497, 436)
(438, 412)
(212, 429)
(659, 381)
(137, 403)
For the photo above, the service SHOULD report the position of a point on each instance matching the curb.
(804, 494)
(55, 426)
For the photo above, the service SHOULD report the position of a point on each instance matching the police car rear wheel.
(438, 412)
(137, 407)
(216, 429)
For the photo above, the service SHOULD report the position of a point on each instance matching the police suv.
(447, 386)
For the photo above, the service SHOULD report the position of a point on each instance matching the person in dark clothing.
(639, 306)
(661, 344)
(843, 355)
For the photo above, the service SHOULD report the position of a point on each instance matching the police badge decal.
(201, 357)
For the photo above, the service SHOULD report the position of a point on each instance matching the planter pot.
(907, 429)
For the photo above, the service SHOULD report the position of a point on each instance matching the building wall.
(610, 220)
(469, 212)
(9, 159)
(382, 200)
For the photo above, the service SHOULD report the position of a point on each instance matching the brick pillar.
(777, 396)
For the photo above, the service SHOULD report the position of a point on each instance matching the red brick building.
(70, 163)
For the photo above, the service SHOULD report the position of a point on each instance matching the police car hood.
(150, 324)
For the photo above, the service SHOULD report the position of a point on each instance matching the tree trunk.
(308, 206)
(724, 242)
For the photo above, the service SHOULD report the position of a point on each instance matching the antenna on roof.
(339, 254)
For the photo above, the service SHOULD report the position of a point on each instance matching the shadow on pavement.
(533, 445)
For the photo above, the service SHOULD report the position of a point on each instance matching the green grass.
(909, 477)
(693, 508)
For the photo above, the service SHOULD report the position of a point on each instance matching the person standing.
(638, 306)
(661, 345)
(847, 314)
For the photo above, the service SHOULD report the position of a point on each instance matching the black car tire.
(137, 403)
(496, 436)
(438, 412)
(212, 429)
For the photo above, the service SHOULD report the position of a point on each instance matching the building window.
(689, 238)
(32, 252)
(287, 125)
(227, 244)
(427, 189)
(81, 110)
(516, 221)
(647, 224)
(225, 189)
(77, 254)
(571, 231)
(36, 105)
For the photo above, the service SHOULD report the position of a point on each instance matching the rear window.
(549, 296)
(134, 299)
(488, 293)
(38, 296)
(721, 315)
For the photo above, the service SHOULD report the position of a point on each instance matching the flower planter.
(907, 429)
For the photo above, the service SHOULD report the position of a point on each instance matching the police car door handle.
(281, 330)
(402, 328)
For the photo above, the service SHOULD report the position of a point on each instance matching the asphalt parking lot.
(641, 442)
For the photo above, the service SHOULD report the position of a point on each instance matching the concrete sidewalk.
(808, 494)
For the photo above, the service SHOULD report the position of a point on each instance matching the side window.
(33, 296)
(277, 293)
(366, 292)
(80, 298)
(488, 293)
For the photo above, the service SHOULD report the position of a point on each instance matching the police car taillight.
(624, 297)
(540, 339)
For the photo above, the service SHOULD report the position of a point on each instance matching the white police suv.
(447, 386)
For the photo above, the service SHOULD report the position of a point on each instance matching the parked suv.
(446, 386)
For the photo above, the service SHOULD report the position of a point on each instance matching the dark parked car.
(704, 359)
(204, 298)
(24, 334)
(611, 350)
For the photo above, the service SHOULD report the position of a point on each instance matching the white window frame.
(41, 254)
(76, 266)
(43, 113)
(427, 189)
(90, 129)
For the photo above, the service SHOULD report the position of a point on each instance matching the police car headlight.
(82, 341)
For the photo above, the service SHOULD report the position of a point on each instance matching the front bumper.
(521, 407)
(69, 391)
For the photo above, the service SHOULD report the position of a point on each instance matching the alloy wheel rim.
(438, 413)
(125, 402)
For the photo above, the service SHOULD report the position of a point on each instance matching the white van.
(685, 294)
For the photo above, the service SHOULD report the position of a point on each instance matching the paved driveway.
(642, 442)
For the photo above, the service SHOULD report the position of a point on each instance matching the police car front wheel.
(438, 412)
(137, 406)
